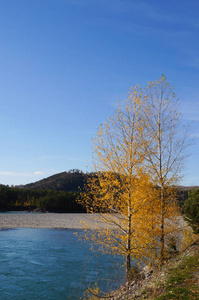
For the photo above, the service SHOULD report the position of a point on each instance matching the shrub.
(191, 210)
(134, 274)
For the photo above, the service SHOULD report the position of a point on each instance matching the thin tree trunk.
(128, 256)
(161, 192)
(162, 235)
(128, 263)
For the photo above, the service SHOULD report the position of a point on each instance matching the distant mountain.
(73, 180)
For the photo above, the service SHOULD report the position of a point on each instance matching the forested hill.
(72, 181)
(57, 193)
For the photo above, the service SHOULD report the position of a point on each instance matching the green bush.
(191, 210)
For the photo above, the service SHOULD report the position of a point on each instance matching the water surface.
(51, 264)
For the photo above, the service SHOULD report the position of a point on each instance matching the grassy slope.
(179, 279)
(182, 281)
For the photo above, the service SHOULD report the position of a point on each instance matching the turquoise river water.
(51, 264)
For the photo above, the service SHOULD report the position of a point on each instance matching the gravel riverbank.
(48, 220)
(57, 220)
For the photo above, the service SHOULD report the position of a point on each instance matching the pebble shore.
(49, 220)
(58, 220)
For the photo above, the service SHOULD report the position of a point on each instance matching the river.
(52, 264)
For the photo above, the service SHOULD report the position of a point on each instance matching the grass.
(178, 280)
(182, 282)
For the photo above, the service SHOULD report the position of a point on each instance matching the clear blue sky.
(64, 64)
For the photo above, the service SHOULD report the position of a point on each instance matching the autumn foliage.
(136, 161)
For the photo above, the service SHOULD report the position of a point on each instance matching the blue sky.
(64, 64)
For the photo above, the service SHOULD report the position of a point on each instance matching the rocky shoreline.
(152, 282)
(49, 220)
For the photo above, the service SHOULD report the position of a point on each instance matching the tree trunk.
(162, 235)
(128, 256)
(128, 263)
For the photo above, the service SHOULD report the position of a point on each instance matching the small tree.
(120, 189)
(191, 209)
(164, 141)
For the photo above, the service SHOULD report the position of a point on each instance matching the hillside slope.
(75, 179)
(178, 279)
(72, 181)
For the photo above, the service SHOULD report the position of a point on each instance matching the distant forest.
(57, 193)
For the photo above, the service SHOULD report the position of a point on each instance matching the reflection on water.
(51, 264)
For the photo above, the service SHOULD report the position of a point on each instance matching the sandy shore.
(48, 220)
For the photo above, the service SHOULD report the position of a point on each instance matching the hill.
(72, 181)
(57, 193)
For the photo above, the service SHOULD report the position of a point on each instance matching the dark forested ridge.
(73, 180)
(57, 193)
(14, 198)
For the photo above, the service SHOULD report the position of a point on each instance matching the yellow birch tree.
(137, 159)
(120, 189)
(164, 142)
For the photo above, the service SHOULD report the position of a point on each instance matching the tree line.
(13, 198)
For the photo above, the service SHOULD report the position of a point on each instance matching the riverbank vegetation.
(177, 279)
(191, 209)
(138, 156)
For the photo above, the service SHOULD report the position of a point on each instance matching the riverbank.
(58, 220)
(178, 279)
(49, 220)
